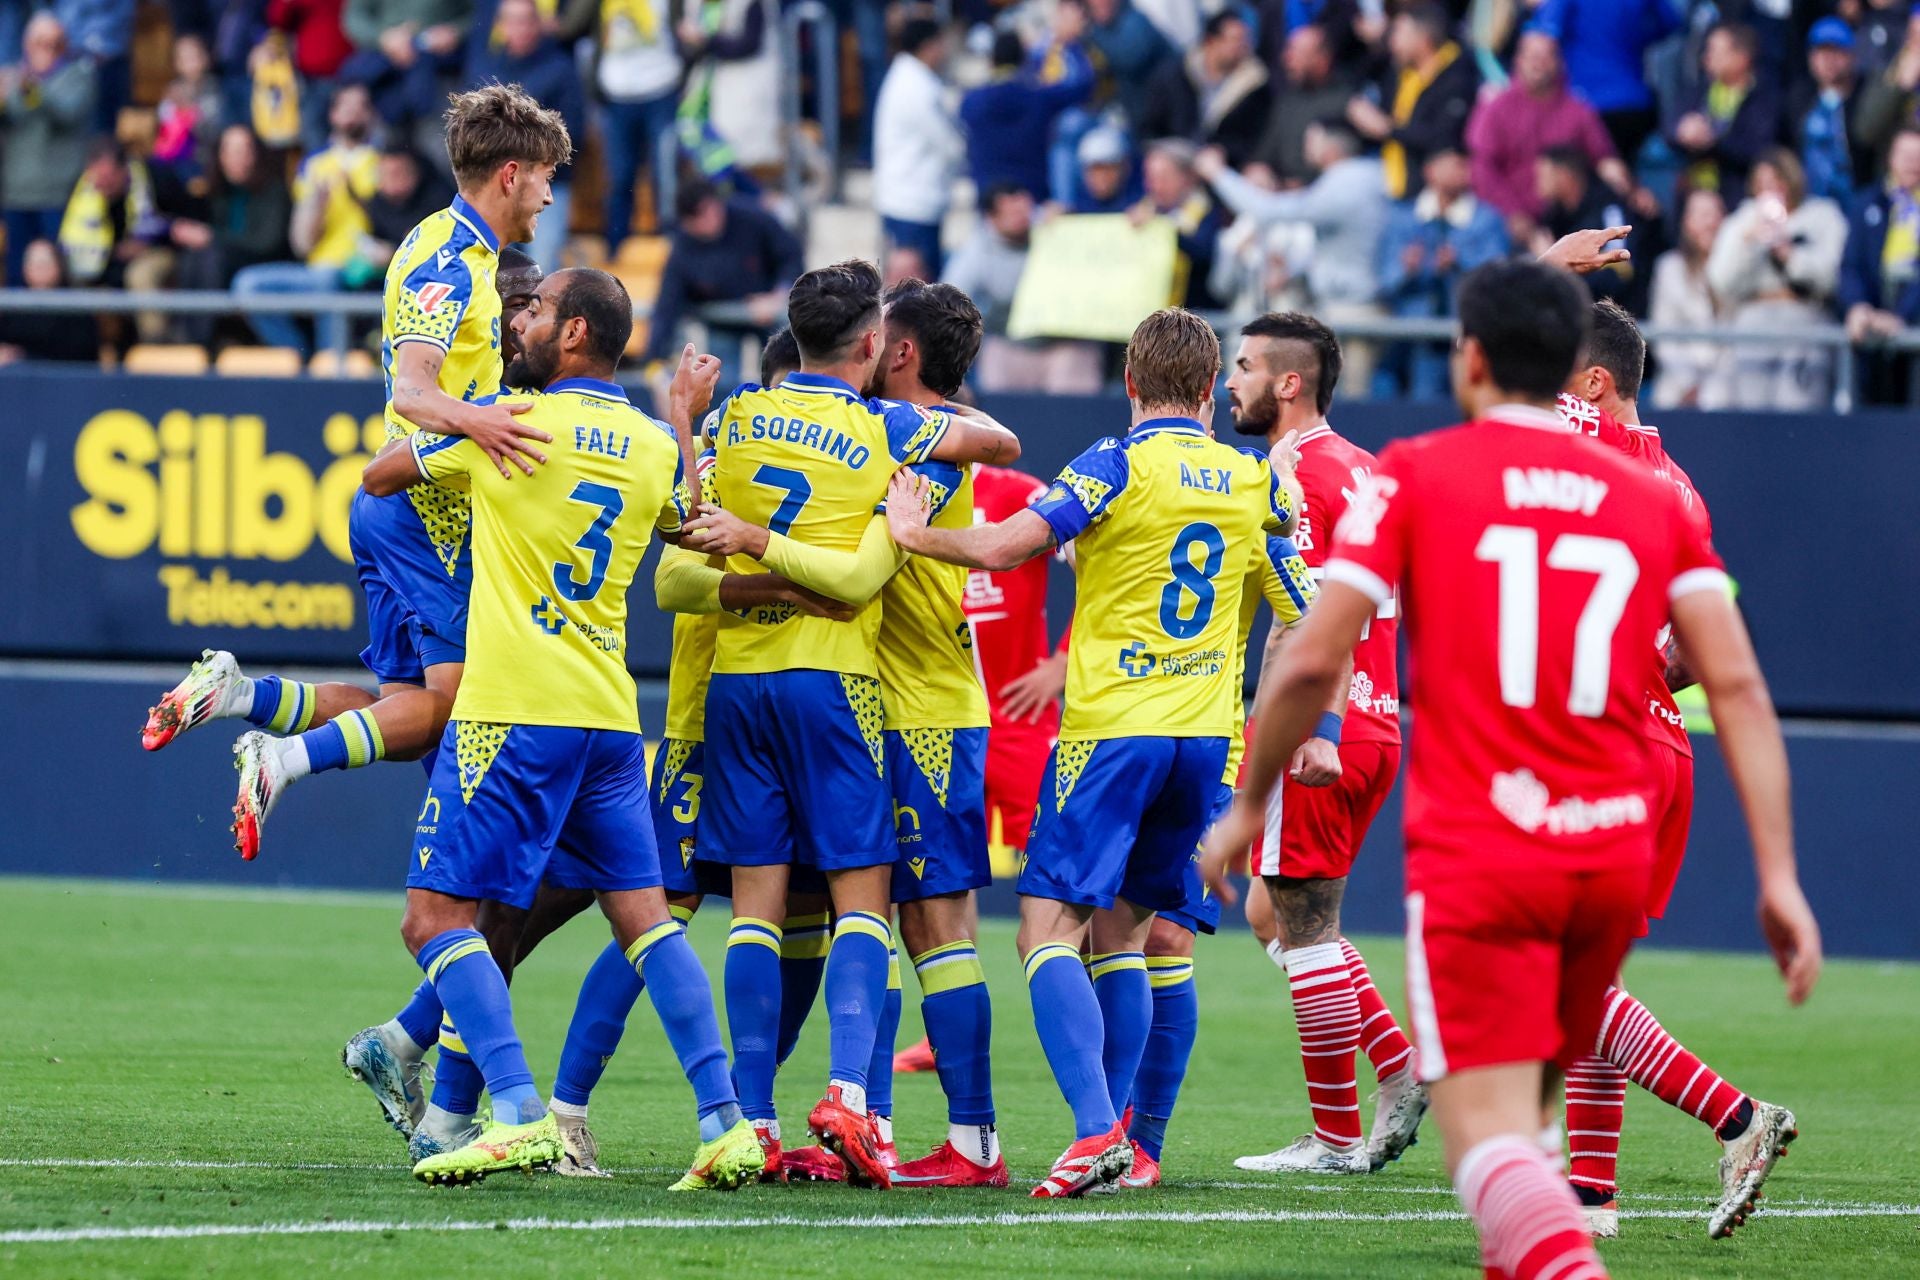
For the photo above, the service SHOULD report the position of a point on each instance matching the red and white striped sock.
(1529, 1222)
(1327, 1014)
(1596, 1106)
(1386, 1045)
(1633, 1040)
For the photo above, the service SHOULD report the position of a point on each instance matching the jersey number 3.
(595, 542)
(1516, 549)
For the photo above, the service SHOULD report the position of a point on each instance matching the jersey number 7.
(1516, 549)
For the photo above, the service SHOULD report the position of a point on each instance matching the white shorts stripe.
(1426, 1020)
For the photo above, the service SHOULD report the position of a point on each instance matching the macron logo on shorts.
(1522, 799)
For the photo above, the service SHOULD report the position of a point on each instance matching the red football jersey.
(1533, 567)
(1008, 611)
(1666, 724)
(1331, 469)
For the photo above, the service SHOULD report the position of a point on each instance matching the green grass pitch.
(174, 1105)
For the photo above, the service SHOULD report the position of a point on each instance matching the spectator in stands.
(1346, 206)
(404, 51)
(404, 194)
(248, 212)
(1776, 265)
(46, 335)
(191, 115)
(1107, 180)
(1606, 42)
(722, 252)
(917, 144)
(1429, 95)
(330, 194)
(1509, 130)
(1572, 198)
(1731, 118)
(1891, 101)
(102, 32)
(639, 82)
(1313, 91)
(1880, 274)
(1692, 374)
(1261, 266)
(1878, 27)
(1429, 243)
(111, 216)
(1131, 50)
(732, 51)
(320, 43)
(1007, 117)
(1217, 96)
(987, 268)
(47, 105)
(528, 58)
(1174, 192)
(1822, 115)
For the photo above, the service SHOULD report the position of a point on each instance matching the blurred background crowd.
(1349, 157)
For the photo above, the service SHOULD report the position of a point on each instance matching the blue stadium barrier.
(87, 801)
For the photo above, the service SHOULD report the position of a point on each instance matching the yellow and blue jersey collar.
(820, 382)
(599, 387)
(464, 212)
(1156, 426)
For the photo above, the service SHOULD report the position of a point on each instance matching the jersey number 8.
(1191, 578)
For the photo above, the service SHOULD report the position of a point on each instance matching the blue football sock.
(682, 997)
(880, 1065)
(1067, 1016)
(420, 1018)
(457, 1082)
(347, 742)
(856, 985)
(1163, 1068)
(803, 962)
(959, 1017)
(471, 987)
(1126, 1011)
(599, 1017)
(281, 706)
(752, 984)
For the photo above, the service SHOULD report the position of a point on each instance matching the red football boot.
(946, 1167)
(1088, 1163)
(814, 1164)
(853, 1136)
(918, 1058)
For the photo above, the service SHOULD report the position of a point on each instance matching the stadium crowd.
(1350, 157)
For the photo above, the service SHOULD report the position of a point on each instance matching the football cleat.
(526, 1147)
(1603, 1220)
(813, 1164)
(426, 1143)
(946, 1167)
(773, 1161)
(1088, 1163)
(582, 1159)
(194, 701)
(1144, 1173)
(262, 781)
(916, 1059)
(729, 1162)
(1307, 1154)
(395, 1081)
(853, 1136)
(1397, 1109)
(1748, 1162)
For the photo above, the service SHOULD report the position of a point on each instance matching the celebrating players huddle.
(826, 757)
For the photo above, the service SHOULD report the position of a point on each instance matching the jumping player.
(1532, 566)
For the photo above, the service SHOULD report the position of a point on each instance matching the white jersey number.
(1516, 550)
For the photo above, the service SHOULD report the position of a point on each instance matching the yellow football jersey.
(1164, 524)
(554, 554)
(1281, 578)
(810, 459)
(694, 636)
(928, 676)
(353, 175)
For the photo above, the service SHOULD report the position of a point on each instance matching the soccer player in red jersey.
(1603, 401)
(1532, 566)
(1283, 380)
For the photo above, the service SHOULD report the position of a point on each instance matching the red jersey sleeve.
(1696, 565)
(1370, 543)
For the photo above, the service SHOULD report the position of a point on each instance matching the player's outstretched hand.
(1583, 251)
(1230, 837)
(1315, 764)
(718, 532)
(1027, 696)
(909, 506)
(1285, 454)
(497, 429)
(1792, 935)
(816, 605)
(694, 381)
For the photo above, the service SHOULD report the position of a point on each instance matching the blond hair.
(1173, 358)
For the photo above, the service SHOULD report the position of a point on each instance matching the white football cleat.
(1603, 1220)
(395, 1081)
(262, 781)
(1748, 1161)
(1308, 1154)
(200, 697)
(425, 1142)
(1397, 1109)
(582, 1159)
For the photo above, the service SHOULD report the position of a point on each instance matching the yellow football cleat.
(726, 1163)
(525, 1147)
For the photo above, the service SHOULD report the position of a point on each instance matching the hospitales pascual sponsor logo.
(194, 488)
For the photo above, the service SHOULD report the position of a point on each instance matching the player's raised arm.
(994, 547)
(1721, 655)
(496, 428)
(974, 436)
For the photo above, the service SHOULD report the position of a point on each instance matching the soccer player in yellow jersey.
(1164, 524)
(542, 772)
(796, 758)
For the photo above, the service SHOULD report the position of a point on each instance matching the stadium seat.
(357, 364)
(178, 358)
(259, 362)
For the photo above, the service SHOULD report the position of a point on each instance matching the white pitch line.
(78, 1235)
